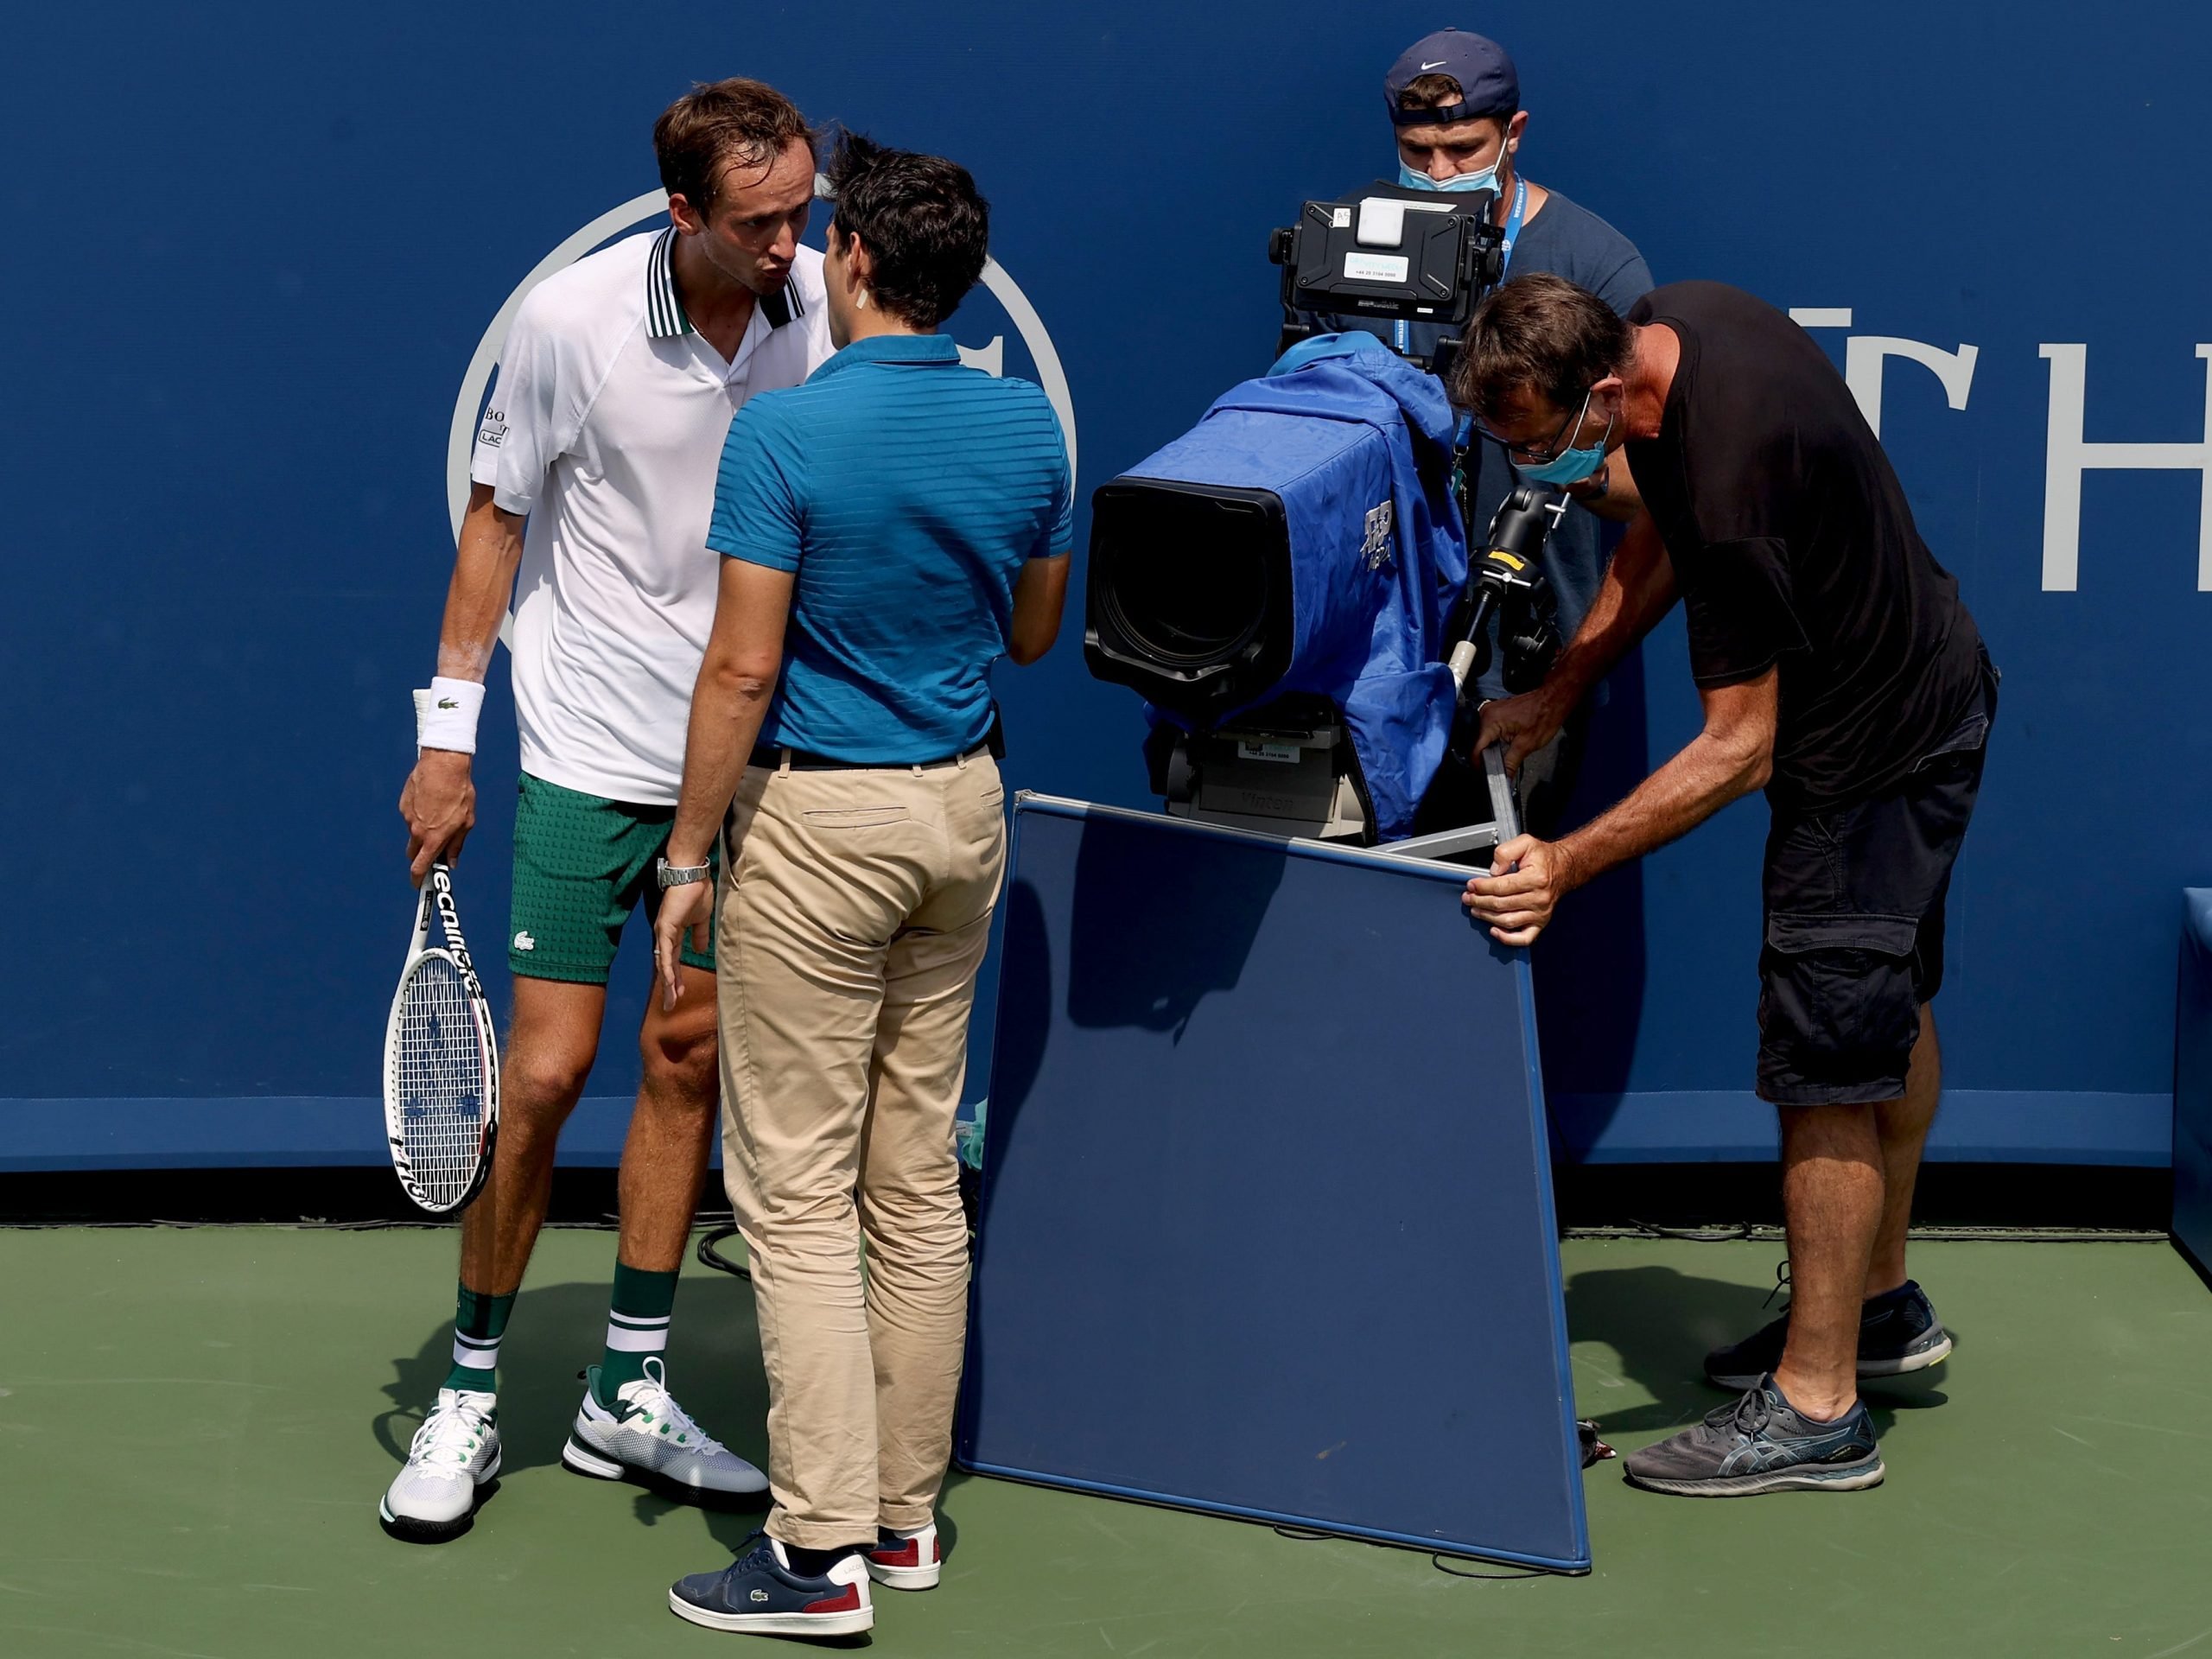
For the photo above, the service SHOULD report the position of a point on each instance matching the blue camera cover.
(1357, 444)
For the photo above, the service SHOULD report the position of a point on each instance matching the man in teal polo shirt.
(891, 529)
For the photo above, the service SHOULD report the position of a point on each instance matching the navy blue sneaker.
(1898, 1331)
(906, 1560)
(1761, 1443)
(760, 1593)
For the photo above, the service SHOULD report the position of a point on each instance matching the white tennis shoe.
(650, 1440)
(451, 1467)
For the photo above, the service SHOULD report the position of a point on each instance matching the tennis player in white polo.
(605, 426)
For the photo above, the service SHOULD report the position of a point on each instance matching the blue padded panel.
(1266, 1223)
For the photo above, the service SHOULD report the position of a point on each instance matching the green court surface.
(195, 1425)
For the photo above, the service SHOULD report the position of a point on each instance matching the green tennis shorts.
(582, 865)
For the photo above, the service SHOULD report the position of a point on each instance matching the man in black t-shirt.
(1838, 669)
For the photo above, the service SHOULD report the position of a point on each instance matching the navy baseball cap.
(1489, 85)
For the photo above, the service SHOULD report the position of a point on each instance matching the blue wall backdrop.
(253, 251)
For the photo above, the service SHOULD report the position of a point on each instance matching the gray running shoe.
(452, 1467)
(650, 1440)
(1898, 1331)
(1762, 1444)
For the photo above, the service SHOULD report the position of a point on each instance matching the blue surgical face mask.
(1570, 465)
(1485, 180)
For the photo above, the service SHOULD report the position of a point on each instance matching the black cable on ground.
(711, 1257)
(1716, 1235)
(1437, 1562)
(1299, 1535)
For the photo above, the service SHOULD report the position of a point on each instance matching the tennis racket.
(440, 1064)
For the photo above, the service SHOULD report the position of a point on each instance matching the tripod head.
(1507, 582)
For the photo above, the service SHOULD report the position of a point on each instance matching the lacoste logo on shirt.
(524, 941)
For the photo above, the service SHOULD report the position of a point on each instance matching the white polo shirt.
(605, 426)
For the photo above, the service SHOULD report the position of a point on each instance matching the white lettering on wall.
(1864, 355)
(2068, 456)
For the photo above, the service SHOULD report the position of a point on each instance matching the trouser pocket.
(1838, 1013)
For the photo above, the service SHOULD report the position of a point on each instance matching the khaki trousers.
(853, 913)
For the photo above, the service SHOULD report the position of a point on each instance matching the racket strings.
(439, 1080)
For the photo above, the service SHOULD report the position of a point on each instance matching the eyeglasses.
(1540, 454)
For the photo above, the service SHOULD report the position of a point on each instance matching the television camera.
(1236, 579)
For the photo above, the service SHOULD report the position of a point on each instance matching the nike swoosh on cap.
(1439, 64)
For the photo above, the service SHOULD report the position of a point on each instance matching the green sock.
(478, 1322)
(637, 1327)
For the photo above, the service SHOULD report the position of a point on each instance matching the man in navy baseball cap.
(1488, 83)
(1455, 102)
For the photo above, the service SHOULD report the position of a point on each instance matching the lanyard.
(1402, 332)
(1512, 227)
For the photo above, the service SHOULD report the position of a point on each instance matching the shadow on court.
(1658, 1321)
(1662, 1322)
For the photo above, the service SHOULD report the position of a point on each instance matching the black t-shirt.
(1792, 544)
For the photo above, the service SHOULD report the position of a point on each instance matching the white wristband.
(445, 715)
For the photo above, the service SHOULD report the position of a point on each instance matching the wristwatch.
(680, 875)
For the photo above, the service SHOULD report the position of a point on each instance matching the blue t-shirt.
(905, 492)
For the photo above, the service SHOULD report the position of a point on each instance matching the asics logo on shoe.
(1760, 1455)
(1772, 1451)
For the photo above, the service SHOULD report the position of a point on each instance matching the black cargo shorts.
(1855, 926)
